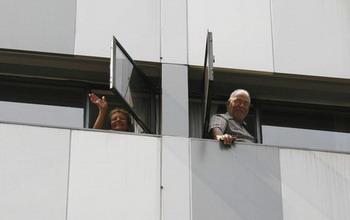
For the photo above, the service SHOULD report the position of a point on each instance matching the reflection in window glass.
(49, 115)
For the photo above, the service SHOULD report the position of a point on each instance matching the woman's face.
(119, 121)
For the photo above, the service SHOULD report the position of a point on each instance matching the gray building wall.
(69, 174)
(41, 25)
(297, 37)
(34, 172)
(241, 182)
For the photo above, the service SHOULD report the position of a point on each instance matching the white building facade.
(292, 56)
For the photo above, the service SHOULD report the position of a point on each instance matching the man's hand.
(102, 104)
(217, 134)
(226, 138)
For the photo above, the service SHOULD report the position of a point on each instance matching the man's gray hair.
(239, 91)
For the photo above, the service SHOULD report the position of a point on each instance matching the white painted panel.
(40, 25)
(241, 182)
(175, 100)
(312, 37)
(114, 176)
(34, 172)
(136, 24)
(42, 114)
(174, 31)
(315, 185)
(241, 33)
(306, 138)
(175, 178)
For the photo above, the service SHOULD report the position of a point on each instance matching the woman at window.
(119, 117)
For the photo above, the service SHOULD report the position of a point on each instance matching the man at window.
(229, 127)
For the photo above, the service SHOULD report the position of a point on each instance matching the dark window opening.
(305, 116)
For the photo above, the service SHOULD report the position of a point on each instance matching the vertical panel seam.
(68, 177)
(190, 176)
(272, 38)
(187, 27)
(75, 26)
(280, 169)
(160, 32)
(161, 179)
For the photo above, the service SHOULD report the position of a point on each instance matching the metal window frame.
(115, 44)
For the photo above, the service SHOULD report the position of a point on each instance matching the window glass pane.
(42, 93)
(50, 115)
(306, 126)
(130, 82)
(305, 138)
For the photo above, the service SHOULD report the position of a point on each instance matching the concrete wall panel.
(136, 24)
(175, 178)
(241, 33)
(312, 37)
(241, 182)
(40, 25)
(175, 100)
(315, 185)
(114, 176)
(174, 31)
(34, 172)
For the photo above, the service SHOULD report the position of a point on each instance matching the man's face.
(238, 106)
(119, 122)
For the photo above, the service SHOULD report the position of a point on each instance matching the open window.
(128, 84)
(208, 78)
